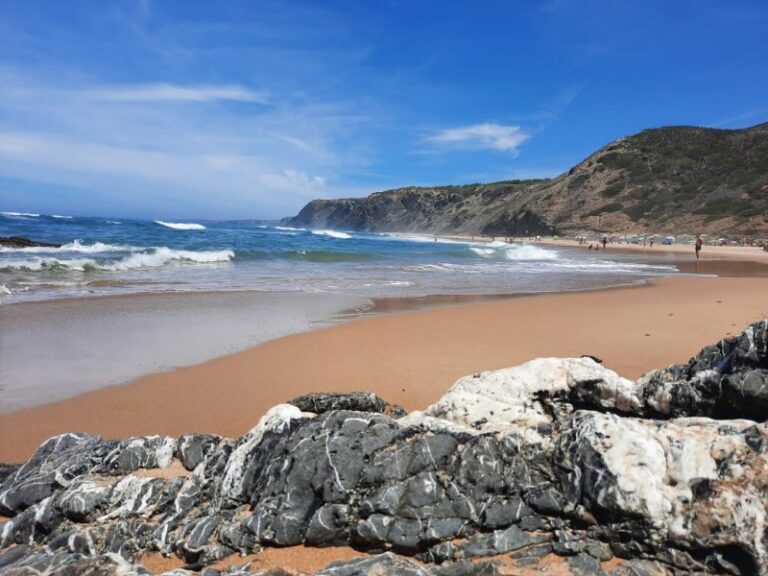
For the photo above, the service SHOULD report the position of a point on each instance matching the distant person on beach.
(651, 243)
(605, 241)
(699, 243)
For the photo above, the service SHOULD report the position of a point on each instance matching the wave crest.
(20, 214)
(76, 246)
(290, 229)
(181, 225)
(504, 251)
(154, 258)
(332, 234)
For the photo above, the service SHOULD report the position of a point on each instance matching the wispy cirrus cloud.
(175, 93)
(505, 138)
(144, 142)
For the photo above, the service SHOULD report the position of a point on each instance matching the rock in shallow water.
(556, 455)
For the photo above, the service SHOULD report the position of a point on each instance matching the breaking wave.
(76, 246)
(62, 217)
(152, 258)
(181, 225)
(332, 234)
(20, 214)
(504, 251)
(290, 229)
(421, 238)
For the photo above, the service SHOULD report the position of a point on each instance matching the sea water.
(103, 256)
(171, 293)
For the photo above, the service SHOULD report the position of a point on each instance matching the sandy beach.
(410, 358)
(708, 253)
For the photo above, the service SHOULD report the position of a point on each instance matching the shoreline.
(708, 252)
(57, 348)
(407, 357)
(96, 355)
(60, 348)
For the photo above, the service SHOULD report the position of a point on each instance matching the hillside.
(672, 179)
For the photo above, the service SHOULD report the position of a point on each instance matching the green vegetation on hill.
(673, 179)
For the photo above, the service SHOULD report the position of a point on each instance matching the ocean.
(110, 256)
(123, 298)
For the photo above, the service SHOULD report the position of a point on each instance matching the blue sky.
(248, 109)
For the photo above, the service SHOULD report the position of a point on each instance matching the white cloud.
(138, 144)
(194, 171)
(174, 93)
(488, 136)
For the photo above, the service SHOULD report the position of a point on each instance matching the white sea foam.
(502, 250)
(4, 289)
(290, 229)
(484, 252)
(181, 225)
(38, 263)
(332, 234)
(608, 266)
(22, 214)
(76, 246)
(422, 238)
(113, 222)
(530, 253)
(153, 258)
(63, 217)
(161, 256)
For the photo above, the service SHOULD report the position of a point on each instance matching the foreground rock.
(21, 242)
(666, 475)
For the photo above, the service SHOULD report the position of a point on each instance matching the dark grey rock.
(725, 380)
(382, 565)
(22, 242)
(193, 448)
(585, 565)
(6, 470)
(321, 402)
(464, 568)
(338, 470)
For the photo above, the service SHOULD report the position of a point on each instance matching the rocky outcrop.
(677, 179)
(319, 403)
(665, 475)
(21, 242)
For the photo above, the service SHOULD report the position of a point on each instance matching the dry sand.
(744, 253)
(300, 560)
(408, 358)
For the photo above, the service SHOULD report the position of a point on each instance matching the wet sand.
(410, 358)
(55, 349)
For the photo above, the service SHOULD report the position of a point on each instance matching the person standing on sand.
(605, 241)
(699, 243)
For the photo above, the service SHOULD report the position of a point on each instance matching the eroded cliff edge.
(664, 475)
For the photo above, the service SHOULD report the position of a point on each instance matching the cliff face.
(474, 209)
(667, 180)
